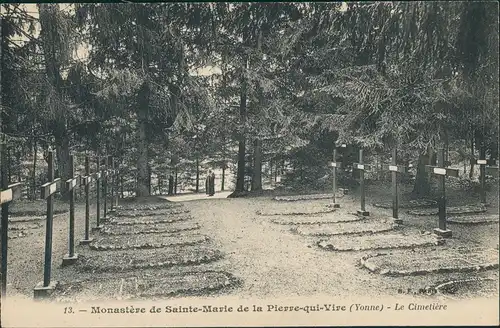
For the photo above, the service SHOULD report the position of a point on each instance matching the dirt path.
(271, 261)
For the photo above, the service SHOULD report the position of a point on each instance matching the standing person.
(207, 183)
(212, 184)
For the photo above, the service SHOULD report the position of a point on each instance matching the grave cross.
(442, 172)
(114, 192)
(48, 190)
(87, 181)
(11, 193)
(362, 167)
(484, 165)
(394, 168)
(105, 184)
(70, 185)
(97, 177)
(335, 165)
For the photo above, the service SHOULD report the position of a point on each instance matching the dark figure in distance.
(210, 183)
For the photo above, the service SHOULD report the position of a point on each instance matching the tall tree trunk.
(240, 174)
(223, 177)
(422, 185)
(62, 153)
(48, 35)
(142, 188)
(197, 174)
(33, 174)
(257, 165)
(471, 173)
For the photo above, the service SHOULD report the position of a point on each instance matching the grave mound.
(431, 260)
(19, 226)
(148, 207)
(466, 209)
(379, 241)
(469, 288)
(143, 213)
(121, 242)
(150, 228)
(473, 219)
(17, 234)
(298, 220)
(347, 228)
(36, 213)
(148, 220)
(158, 285)
(415, 203)
(125, 260)
(27, 219)
(294, 198)
(315, 210)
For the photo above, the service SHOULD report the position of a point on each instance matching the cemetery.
(285, 158)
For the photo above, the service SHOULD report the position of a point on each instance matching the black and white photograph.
(235, 164)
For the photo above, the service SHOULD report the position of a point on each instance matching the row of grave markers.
(12, 192)
(440, 170)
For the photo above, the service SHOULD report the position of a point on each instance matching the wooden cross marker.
(335, 165)
(97, 177)
(113, 204)
(48, 189)
(484, 164)
(394, 168)
(11, 193)
(71, 184)
(442, 172)
(87, 181)
(362, 167)
(105, 185)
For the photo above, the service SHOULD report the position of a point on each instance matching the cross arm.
(441, 170)
(362, 167)
(50, 187)
(335, 164)
(396, 168)
(12, 192)
(72, 183)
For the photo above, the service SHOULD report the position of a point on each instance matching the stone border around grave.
(230, 282)
(393, 227)
(149, 221)
(196, 226)
(204, 259)
(172, 230)
(26, 227)
(442, 288)
(96, 247)
(474, 209)
(422, 203)
(317, 212)
(471, 219)
(329, 247)
(148, 213)
(402, 273)
(150, 207)
(294, 198)
(36, 213)
(312, 222)
(19, 234)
